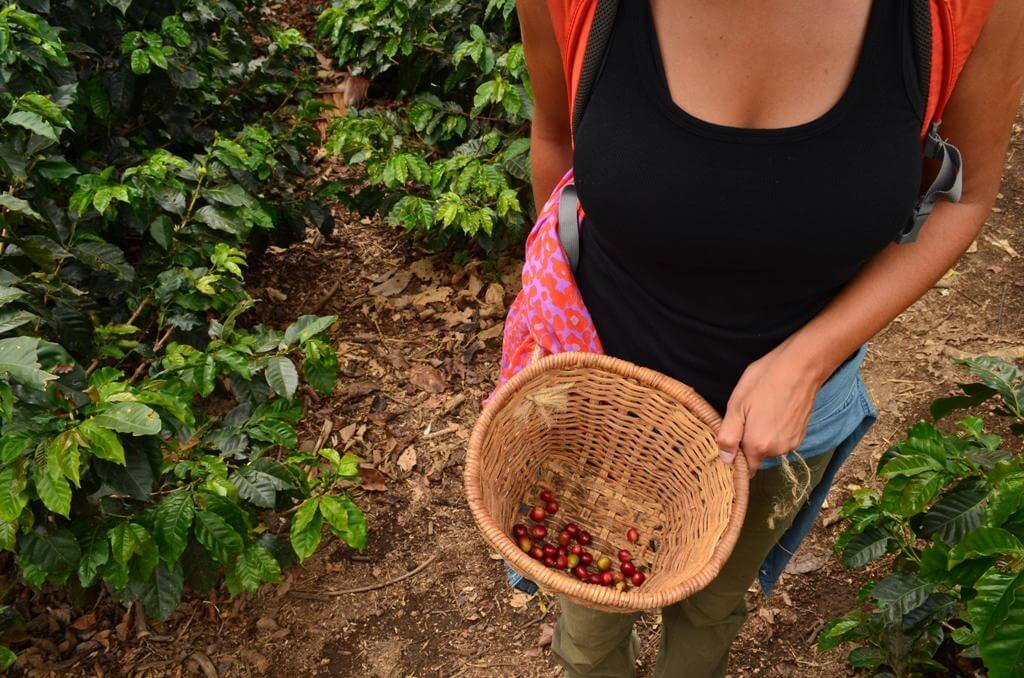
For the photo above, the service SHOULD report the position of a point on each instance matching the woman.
(744, 167)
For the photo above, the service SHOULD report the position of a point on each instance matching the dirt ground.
(418, 339)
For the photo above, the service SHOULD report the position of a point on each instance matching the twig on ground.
(327, 297)
(319, 595)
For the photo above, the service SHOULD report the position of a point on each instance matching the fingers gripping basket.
(620, 446)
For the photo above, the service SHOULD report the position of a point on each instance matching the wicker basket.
(620, 446)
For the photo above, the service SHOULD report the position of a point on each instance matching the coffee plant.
(146, 430)
(952, 514)
(446, 156)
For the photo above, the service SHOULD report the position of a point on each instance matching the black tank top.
(705, 246)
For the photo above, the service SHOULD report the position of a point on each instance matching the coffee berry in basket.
(572, 558)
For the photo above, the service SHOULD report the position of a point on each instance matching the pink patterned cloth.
(548, 312)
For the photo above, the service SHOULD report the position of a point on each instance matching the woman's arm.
(769, 410)
(550, 142)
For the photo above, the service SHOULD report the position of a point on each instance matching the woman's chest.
(759, 63)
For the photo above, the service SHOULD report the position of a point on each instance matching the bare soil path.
(418, 339)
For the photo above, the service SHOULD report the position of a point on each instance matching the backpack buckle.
(947, 185)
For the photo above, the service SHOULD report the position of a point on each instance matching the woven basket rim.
(561, 583)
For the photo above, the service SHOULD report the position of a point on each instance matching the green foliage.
(145, 148)
(952, 513)
(447, 157)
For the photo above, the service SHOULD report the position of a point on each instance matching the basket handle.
(536, 354)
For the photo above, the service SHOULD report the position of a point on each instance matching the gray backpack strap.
(947, 185)
(568, 225)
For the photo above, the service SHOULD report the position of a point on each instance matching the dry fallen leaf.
(86, 621)
(456, 318)
(432, 296)
(1004, 245)
(393, 284)
(407, 459)
(423, 269)
(804, 563)
(371, 480)
(492, 332)
(519, 599)
(426, 377)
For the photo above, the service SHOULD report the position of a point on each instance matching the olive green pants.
(696, 632)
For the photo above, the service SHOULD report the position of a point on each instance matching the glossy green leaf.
(956, 514)
(996, 614)
(305, 529)
(909, 465)
(18, 360)
(129, 417)
(869, 545)
(102, 442)
(898, 594)
(55, 493)
(172, 521)
(986, 541)
(217, 537)
(906, 496)
(305, 328)
(281, 376)
(161, 593)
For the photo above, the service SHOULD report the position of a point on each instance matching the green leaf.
(62, 457)
(335, 515)
(95, 555)
(305, 530)
(955, 515)
(12, 493)
(122, 543)
(839, 631)
(221, 219)
(348, 466)
(357, 532)
(906, 496)
(1003, 501)
(320, 367)
(129, 417)
(103, 256)
(865, 657)
(54, 551)
(102, 442)
(8, 536)
(986, 541)
(869, 545)
(161, 593)
(909, 465)
(925, 439)
(171, 522)
(232, 195)
(140, 62)
(999, 375)
(251, 568)
(157, 57)
(282, 376)
(7, 657)
(162, 231)
(55, 493)
(19, 206)
(997, 615)
(305, 328)
(18, 359)
(15, 319)
(217, 537)
(256, 487)
(33, 122)
(898, 594)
